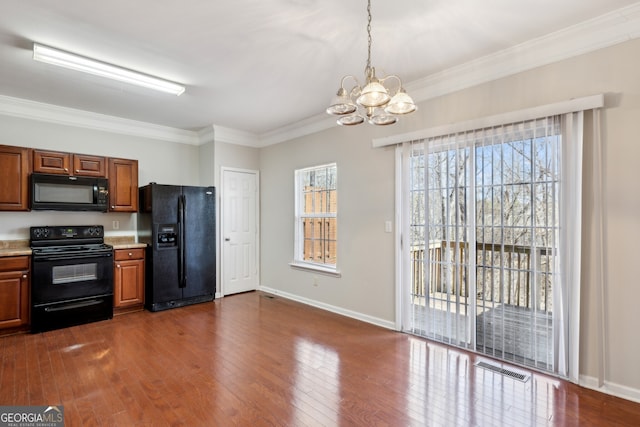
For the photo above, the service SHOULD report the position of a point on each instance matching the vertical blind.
(483, 211)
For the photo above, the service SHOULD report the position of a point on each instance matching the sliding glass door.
(481, 210)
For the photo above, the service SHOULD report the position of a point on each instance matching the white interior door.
(239, 231)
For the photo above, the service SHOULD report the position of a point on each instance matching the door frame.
(223, 255)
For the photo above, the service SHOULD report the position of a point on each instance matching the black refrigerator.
(178, 225)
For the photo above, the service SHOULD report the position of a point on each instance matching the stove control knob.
(40, 232)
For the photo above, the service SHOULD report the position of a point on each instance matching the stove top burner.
(66, 242)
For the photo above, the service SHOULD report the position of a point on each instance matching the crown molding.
(39, 111)
(598, 33)
(206, 134)
(313, 124)
(601, 32)
(235, 136)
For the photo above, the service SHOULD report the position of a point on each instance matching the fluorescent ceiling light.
(87, 65)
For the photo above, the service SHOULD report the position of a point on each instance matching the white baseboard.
(613, 389)
(332, 308)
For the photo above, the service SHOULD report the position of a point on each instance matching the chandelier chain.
(369, 35)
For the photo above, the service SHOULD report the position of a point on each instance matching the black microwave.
(69, 193)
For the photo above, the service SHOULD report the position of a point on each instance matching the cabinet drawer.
(18, 263)
(125, 254)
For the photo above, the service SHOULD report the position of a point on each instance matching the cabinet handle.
(130, 254)
(118, 265)
(113, 207)
(77, 170)
(66, 169)
(24, 276)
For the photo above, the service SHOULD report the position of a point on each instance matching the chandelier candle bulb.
(373, 101)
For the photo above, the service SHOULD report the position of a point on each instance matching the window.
(316, 209)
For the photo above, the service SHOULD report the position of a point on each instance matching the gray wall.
(159, 161)
(366, 199)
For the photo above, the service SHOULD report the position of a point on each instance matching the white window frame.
(298, 256)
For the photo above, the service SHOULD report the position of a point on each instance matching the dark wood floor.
(252, 360)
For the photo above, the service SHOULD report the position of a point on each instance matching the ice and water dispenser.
(167, 236)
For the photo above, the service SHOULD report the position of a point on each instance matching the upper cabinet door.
(85, 165)
(14, 178)
(51, 162)
(59, 163)
(123, 185)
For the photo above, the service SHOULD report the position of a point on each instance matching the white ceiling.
(256, 65)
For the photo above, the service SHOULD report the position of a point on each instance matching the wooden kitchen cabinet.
(60, 163)
(128, 280)
(14, 293)
(123, 185)
(52, 162)
(86, 165)
(14, 178)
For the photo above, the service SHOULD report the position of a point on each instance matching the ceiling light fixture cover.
(97, 68)
(372, 101)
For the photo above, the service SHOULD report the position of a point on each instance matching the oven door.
(66, 277)
(70, 289)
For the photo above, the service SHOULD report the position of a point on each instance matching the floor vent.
(506, 372)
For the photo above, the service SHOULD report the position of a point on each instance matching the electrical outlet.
(315, 280)
(116, 225)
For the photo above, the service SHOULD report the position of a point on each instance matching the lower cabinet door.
(128, 283)
(14, 299)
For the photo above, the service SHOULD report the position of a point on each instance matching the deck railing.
(510, 274)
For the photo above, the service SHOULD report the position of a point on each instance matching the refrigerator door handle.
(185, 273)
(182, 270)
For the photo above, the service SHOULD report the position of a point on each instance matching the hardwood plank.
(253, 360)
(35, 387)
(8, 381)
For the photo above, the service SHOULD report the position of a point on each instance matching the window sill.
(315, 268)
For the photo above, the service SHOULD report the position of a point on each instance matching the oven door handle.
(70, 256)
(71, 306)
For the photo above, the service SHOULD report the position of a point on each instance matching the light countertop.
(124, 242)
(14, 248)
(21, 247)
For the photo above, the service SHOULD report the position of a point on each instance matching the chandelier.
(372, 101)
